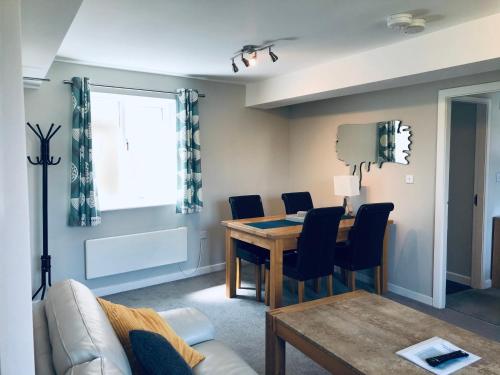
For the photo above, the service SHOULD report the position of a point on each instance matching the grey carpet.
(239, 322)
(482, 304)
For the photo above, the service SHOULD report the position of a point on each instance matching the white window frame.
(168, 106)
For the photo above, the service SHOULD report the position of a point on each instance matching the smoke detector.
(416, 26)
(405, 22)
(399, 21)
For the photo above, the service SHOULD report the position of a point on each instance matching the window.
(134, 150)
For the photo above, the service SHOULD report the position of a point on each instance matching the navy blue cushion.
(155, 354)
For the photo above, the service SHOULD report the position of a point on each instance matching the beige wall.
(252, 151)
(243, 151)
(313, 164)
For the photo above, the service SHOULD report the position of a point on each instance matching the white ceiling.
(197, 38)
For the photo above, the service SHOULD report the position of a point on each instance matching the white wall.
(16, 329)
(244, 151)
(492, 206)
(313, 163)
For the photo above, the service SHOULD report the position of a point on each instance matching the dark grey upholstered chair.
(245, 207)
(294, 202)
(365, 245)
(315, 250)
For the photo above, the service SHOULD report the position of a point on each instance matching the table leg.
(230, 266)
(275, 349)
(385, 259)
(276, 275)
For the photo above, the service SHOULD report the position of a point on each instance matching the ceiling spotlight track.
(250, 51)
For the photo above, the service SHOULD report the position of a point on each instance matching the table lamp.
(346, 186)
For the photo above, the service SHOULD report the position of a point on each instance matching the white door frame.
(442, 179)
(477, 277)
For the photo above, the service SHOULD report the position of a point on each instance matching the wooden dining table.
(277, 241)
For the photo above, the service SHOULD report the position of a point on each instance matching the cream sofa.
(74, 337)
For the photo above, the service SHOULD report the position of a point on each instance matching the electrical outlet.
(409, 179)
(498, 176)
(203, 235)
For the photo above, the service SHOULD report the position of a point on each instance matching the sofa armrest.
(190, 324)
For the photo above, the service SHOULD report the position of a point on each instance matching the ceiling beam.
(463, 49)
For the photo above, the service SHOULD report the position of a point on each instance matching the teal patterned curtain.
(84, 209)
(189, 185)
(386, 136)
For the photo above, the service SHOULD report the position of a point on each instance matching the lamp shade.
(347, 186)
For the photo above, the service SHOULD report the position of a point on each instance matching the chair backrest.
(246, 206)
(366, 237)
(316, 245)
(294, 202)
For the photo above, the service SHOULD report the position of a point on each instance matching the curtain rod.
(131, 88)
(36, 79)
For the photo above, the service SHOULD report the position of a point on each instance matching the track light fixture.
(253, 59)
(235, 67)
(251, 51)
(245, 61)
(273, 55)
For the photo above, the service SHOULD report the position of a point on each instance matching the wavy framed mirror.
(380, 142)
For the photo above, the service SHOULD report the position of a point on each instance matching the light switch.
(498, 176)
(409, 179)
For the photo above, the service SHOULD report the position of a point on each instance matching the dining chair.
(365, 244)
(315, 250)
(245, 207)
(299, 201)
(295, 202)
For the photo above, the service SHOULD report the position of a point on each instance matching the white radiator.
(113, 255)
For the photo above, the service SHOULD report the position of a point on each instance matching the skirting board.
(131, 285)
(419, 297)
(456, 277)
(137, 284)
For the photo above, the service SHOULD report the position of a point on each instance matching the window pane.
(134, 150)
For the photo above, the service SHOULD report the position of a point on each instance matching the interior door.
(461, 204)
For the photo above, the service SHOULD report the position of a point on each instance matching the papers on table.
(434, 347)
(298, 217)
(295, 217)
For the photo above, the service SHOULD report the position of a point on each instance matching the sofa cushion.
(220, 359)
(80, 332)
(125, 319)
(97, 366)
(156, 355)
(43, 352)
(190, 324)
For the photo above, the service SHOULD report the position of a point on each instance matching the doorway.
(467, 178)
(467, 170)
(481, 265)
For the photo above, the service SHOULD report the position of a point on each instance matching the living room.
(268, 94)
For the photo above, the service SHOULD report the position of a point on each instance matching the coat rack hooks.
(44, 160)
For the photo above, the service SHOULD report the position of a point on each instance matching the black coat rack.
(44, 160)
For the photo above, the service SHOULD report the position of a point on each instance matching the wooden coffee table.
(359, 333)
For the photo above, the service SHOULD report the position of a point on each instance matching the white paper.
(433, 347)
(297, 218)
